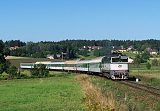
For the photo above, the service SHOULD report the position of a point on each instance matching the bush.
(24, 76)
(137, 60)
(39, 70)
(12, 71)
(148, 65)
(155, 62)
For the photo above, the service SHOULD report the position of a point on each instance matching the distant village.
(121, 49)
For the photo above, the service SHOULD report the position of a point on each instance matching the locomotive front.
(119, 68)
(116, 67)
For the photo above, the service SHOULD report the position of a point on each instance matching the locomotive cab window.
(115, 60)
(106, 60)
(124, 59)
(120, 59)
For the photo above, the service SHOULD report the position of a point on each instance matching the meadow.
(147, 76)
(67, 92)
(126, 98)
(58, 93)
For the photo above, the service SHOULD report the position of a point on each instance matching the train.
(113, 67)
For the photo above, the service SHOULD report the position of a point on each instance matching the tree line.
(12, 71)
(74, 48)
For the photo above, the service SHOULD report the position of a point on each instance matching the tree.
(6, 51)
(71, 47)
(148, 65)
(12, 71)
(137, 60)
(3, 63)
(145, 57)
(84, 53)
(40, 70)
(1, 68)
(155, 62)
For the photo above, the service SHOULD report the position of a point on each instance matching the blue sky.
(54, 20)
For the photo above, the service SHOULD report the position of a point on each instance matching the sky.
(55, 20)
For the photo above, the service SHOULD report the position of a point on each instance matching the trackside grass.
(58, 93)
(127, 98)
(94, 98)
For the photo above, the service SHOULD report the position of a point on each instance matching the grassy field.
(58, 93)
(62, 92)
(127, 98)
(150, 77)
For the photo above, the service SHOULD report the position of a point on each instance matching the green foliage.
(148, 65)
(40, 70)
(97, 53)
(145, 57)
(72, 48)
(13, 43)
(155, 62)
(3, 63)
(102, 52)
(6, 51)
(137, 60)
(83, 53)
(1, 68)
(12, 72)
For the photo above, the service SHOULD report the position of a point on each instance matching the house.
(153, 52)
(96, 47)
(59, 55)
(122, 50)
(90, 48)
(50, 56)
(129, 48)
(14, 48)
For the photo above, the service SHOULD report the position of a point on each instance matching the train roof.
(56, 63)
(83, 61)
(43, 62)
(71, 62)
(98, 59)
(26, 63)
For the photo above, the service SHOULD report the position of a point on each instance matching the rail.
(152, 90)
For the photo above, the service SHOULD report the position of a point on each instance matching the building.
(14, 48)
(153, 52)
(130, 48)
(50, 56)
(90, 48)
(122, 50)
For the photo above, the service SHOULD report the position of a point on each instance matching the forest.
(75, 48)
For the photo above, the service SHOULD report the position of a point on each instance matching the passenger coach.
(114, 67)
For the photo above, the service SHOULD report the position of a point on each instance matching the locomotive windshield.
(119, 59)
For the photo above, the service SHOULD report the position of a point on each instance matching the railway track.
(152, 90)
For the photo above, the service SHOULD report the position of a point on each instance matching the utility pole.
(62, 56)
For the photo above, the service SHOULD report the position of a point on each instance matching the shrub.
(155, 62)
(148, 65)
(12, 72)
(137, 60)
(39, 70)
